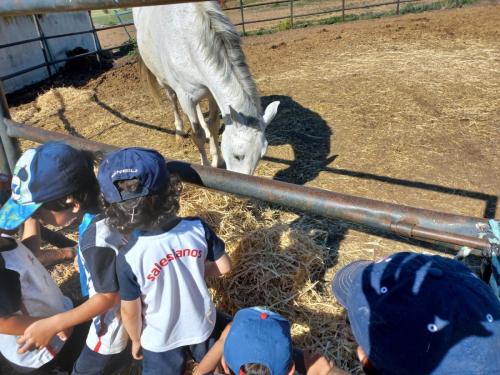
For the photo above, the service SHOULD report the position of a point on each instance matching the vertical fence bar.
(397, 7)
(242, 17)
(43, 44)
(291, 14)
(118, 14)
(97, 43)
(10, 148)
(343, 10)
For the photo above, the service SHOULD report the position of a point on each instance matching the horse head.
(243, 141)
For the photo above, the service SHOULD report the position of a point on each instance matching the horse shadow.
(307, 133)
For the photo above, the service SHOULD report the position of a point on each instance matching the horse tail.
(149, 81)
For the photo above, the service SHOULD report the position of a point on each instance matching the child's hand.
(65, 334)
(136, 350)
(318, 365)
(37, 335)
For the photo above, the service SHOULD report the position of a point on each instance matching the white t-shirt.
(27, 288)
(166, 271)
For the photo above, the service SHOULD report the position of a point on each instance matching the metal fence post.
(343, 10)
(242, 17)
(43, 43)
(291, 14)
(10, 149)
(97, 43)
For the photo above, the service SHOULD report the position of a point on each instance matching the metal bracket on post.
(10, 148)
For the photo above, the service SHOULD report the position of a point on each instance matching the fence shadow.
(129, 120)
(310, 136)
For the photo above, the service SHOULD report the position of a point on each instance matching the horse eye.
(239, 157)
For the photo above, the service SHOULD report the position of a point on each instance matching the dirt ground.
(401, 109)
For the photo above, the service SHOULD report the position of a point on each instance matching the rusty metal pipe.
(26, 7)
(430, 225)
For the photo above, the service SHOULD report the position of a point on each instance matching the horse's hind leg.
(213, 127)
(179, 124)
(189, 107)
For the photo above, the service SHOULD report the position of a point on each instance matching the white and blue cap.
(421, 314)
(146, 165)
(51, 171)
(259, 336)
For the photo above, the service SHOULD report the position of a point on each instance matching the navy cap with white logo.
(146, 165)
(420, 314)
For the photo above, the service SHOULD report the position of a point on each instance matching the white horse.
(194, 52)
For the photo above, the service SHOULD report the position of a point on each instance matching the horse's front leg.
(189, 107)
(213, 127)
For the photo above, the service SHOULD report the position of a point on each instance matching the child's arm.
(32, 240)
(15, 324)
(41, 332)
(131, 312)
(11, 303)
(219, 262)
(220, 267)
(320, 365)
(212, 359)
(131, 304)
(101, 264)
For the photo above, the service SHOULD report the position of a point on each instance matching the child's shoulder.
(99, 234)
(8, 243)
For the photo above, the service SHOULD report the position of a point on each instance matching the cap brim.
(12, 214)
(342, 283)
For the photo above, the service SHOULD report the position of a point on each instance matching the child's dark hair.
(254, 369)
(87, 194)
(150, 212)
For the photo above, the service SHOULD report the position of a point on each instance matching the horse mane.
(221, 46)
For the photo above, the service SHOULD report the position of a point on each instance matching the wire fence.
(288, 11)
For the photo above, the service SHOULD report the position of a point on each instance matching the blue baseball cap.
(48, 172)
(259, 336)
(421, 314)
(147, 165)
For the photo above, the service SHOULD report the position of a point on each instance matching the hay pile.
(279, 265)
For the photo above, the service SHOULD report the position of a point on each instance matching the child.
(27, 292)
(258, 342)
(56, 185)
(166, 307)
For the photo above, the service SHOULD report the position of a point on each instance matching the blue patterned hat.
(51, 171)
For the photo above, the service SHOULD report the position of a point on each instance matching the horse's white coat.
(194, 49)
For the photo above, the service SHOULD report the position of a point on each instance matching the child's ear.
(292, 369)
(76, 205)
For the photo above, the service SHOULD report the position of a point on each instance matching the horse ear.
(270, 112)
(234, 116)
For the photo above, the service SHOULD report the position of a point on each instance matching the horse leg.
(213, 127)
(179, 124)
(189, 107)
(203, 123)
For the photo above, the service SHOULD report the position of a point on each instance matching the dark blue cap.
(420, 314)
(51, 171)
(146, 165)
(259, 336)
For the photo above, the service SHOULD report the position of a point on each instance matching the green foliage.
(284, 25)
